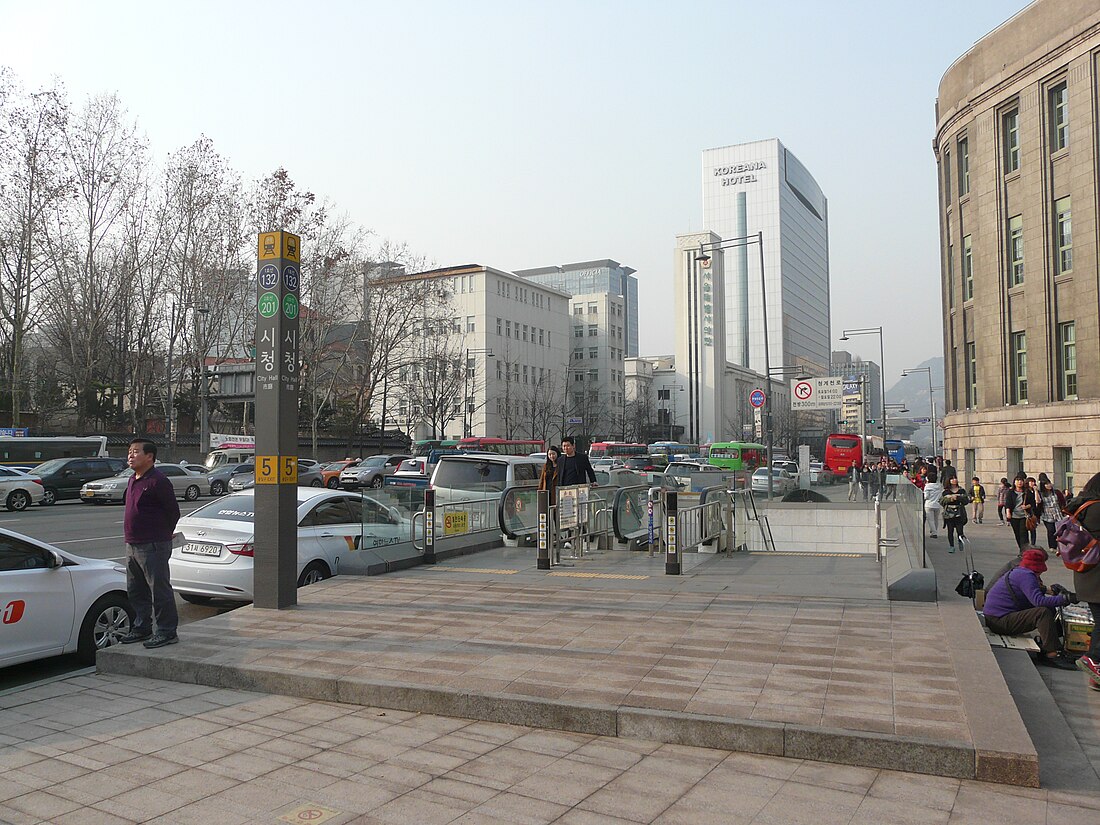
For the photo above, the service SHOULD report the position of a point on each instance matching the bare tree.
(33, 179)
(544, 398)
(437, 381)
(90, 284)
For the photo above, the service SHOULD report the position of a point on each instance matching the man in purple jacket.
(148, 525)
(1017, 603)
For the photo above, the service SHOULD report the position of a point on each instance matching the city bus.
(737, 455)
(672, 448)
(844, 449)
(901, 451)
(617, 449)
(426, 446)
(29, 451)
(501, 446)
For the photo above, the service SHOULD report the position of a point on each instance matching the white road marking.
(97, 538)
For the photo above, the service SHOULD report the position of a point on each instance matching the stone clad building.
(1016, 149)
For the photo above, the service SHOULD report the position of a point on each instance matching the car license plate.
(201, 549)
(88, 494)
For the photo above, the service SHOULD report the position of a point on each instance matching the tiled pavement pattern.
(855, 665)
(95, 750)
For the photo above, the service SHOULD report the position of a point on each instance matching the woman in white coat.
(933, 510)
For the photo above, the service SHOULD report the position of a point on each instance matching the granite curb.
(864, 749)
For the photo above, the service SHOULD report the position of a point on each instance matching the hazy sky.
(517, 134)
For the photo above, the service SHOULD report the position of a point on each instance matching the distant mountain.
(912, 391)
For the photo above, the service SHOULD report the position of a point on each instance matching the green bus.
(737, 455)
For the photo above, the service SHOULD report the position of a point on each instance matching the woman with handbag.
(1033, 514)
(1019, 503)
(1087, 584)
(1050, 504)
(954, 501)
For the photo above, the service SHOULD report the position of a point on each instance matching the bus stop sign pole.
(275, 572)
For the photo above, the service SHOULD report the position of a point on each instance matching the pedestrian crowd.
(1017, 601)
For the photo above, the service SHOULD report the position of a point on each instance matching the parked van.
(230, 454)
(480, 475)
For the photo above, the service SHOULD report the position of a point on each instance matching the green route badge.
(290, 306)
(268, 304)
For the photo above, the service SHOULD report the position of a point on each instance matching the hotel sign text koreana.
(739, 173)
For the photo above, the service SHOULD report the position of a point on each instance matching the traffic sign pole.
(275, 572)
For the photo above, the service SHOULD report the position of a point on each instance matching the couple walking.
(563, 470)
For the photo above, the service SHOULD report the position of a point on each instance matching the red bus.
(616, 449)
(502, 446)
(844, 449)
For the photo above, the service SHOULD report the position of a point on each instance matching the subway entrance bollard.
(429, 527)
(544, 530)
(672, 550)
(275, 573)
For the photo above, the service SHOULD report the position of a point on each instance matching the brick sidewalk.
(97, 750)
(854, 681)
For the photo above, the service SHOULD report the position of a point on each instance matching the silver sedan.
(188, 485)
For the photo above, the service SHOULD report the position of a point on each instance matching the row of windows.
(618, 377)
(594, 352)
(593, 397)
(594, 309)
(524, 332)
(1063, 252)
(1066, 366)
(522, 294)
(594, 331)
(1058, 139)
(521, 373)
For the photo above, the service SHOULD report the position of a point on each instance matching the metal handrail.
(616, 527)
(502, 517)
(419, 514)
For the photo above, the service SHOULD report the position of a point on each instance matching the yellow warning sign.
(454, 523)
(267, 469)
(288, 469)
(274, 245)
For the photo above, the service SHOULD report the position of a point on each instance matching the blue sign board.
(13, 432)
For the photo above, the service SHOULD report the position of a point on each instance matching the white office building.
(761, 187)
(516, 337)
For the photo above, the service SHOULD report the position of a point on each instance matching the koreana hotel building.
(1016, 148)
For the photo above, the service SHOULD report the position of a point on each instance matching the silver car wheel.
(110, 626)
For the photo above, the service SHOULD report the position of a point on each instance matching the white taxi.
(18, 490)
(52, 602)
(215, 560)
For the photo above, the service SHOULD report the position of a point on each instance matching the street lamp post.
(201, 311)
(466, 423)
(931, 401)
(672, 404)
(734, 243)
(881, 367)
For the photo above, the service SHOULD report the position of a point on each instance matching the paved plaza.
(612, 646)
(101, 750)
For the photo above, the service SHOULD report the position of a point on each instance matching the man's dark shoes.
(135, 636)
(1060, 661)
(162, 639)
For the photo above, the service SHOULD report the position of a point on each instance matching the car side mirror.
(54, 560)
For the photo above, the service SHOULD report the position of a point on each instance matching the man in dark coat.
(1087, 584)
(574, 467)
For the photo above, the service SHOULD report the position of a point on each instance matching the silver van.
(480, 475)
